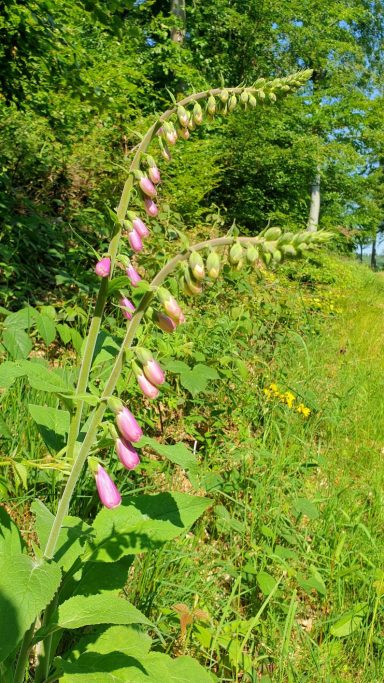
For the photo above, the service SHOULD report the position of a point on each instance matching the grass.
(282, 580)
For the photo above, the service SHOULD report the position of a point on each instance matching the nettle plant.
(74, 575)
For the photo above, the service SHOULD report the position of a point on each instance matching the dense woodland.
(79, 83)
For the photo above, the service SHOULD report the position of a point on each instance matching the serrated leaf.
(17, 343)
(52, 423)
(177, 453)
(44, 379)
(142, 523)
(195, 380)
(26, 587)
(22, 319)
(45, 327)
(9, 372)
(105, 608)
(176, 366)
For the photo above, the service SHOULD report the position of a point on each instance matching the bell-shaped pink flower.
(108, 493)
(164, 321)
(127, 455)
(150, 207)
(133, 275)
(173, 309)
(154, 372)
(103, 267)
(128, 426)
(127, 307)
(140, 227)
(135, 240)
(147, 186)
(154, 174)
(146, 386)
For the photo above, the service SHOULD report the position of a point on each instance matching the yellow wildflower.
(304, 410)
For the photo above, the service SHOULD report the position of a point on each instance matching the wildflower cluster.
(288, 398)
(270, 247)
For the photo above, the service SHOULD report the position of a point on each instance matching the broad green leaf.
(17, 342)
(45, 327)
(77, 340)
(306, 507)
(142, 523)
(72, 536)
(196, 379)
(350, 622)
(97, 577)
(52, 423)
(104, 608)
(9, 372)
(11, 542)
(176, 366)
(42, 378)
(65, 332)
(26, 587)
(266, 582)
(121, 655)
(23, 319)
(118, 284)
(178, 453)
(21, 473)
(107, 347)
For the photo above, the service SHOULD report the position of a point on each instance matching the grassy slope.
(299, 502)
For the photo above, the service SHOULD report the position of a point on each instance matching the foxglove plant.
(105, 539)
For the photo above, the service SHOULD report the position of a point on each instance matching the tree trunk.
(361, 253)
(314, 209)
(373, 255)
(178, 10)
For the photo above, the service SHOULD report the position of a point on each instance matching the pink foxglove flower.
(128, 426)
(154, 372)
(135, 240)
(127, 454)
(146, 386)
(103, 267)
(150, 207)
(108, 493)
(163, 321)
(133, 276)
(147, 186)
(140, 227)
(154, 174)
(127, 307)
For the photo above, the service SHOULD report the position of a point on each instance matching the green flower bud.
(272, 97)
(261, 94)
(189, 286)
(235, 253)
(183, 117)
(224, 95)
(196, 265)
(191, 123)
(213, 265)
(144, 356)
(266, 257)
(252, 100)
(211, 105)
(232, 103)
(277, 255)
(272, 234)
(288, 250)
(244, 97)
(286, 238)
(197, 114)
(252, 254)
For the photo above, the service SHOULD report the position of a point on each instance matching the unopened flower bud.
(170, 304)
(127, 307)
(184, 133)
(164, 322)
(103, 267)
(133, 275)
(170, 132)
(150, 207)
(140, 227)
(252, 254)
(151, 367)
(261, 95)
(135, 240)
(196, 265)
(148, 388)
(211, 105)
(197, 114)
(147, 186)
(192, 287)
(252, 100)
(165, 153)
(154, 174)
(128, 426)
(272, 97)
(191, 123)
(288, 250)
(183, 117)
(272, 234)
(107, 490)
(244, 97)
(213, 265)
(277, 255)
(224, 95)
(235, 253)
(232, 102)
(127, 455)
